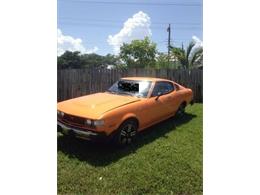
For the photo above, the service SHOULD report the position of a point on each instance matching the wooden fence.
(77, 82)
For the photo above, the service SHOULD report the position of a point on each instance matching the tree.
(75, 60)
(110, 59)
(97, 61)
(70, 60)
(163, 62)
(92, 60)
(139, 53)
(188, 58)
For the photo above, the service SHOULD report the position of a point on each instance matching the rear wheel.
(126, 133)
(181, 110)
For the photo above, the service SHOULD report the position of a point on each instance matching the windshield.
(131, 87)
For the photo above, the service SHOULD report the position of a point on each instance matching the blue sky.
(93, 21)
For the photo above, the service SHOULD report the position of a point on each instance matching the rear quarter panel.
(186, 94)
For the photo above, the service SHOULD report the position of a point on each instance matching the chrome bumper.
(77, 132)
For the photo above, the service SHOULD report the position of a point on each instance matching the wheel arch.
(184, 103)
(127, 117)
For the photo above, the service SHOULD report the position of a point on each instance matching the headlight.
(88, 122)
(98, 122)
(60, 113)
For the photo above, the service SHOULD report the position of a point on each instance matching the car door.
(159, 105)
(167, 93)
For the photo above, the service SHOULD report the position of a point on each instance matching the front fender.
(127, 116)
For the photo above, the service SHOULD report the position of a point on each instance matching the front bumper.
(81, 133)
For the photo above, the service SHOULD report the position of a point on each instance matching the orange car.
(130, 105)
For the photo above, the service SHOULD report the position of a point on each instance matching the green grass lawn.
(166, 159)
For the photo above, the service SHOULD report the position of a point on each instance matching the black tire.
(181, 111)
(59, 129)
(126, 133)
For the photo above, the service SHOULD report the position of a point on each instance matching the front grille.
(73, 119)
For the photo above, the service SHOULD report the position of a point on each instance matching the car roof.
(145, 79)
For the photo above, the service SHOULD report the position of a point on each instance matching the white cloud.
(136, 27)
(68, 43)
(198, 44)
(197, 41)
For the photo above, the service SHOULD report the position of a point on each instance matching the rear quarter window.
(162, 87)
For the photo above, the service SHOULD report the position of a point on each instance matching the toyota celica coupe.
(130, 105)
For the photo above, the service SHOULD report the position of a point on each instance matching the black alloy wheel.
(127, 133)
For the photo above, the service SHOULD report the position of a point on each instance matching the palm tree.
(188, 58)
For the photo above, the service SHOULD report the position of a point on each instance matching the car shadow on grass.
(98, 154)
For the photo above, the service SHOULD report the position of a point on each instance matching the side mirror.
(158, 95)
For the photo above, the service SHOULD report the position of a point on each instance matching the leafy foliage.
(139, 53)
(189, 58)
(75, 60)
(98, 61)
(162, 61)
(70, 60)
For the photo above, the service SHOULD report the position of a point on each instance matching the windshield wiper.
(139, 95)
(126, 93)
(113, 92)
(120, 92)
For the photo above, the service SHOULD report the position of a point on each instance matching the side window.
(162, 87)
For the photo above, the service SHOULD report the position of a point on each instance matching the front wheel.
(126, 133)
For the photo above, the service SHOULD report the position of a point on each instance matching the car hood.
(95, 105)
